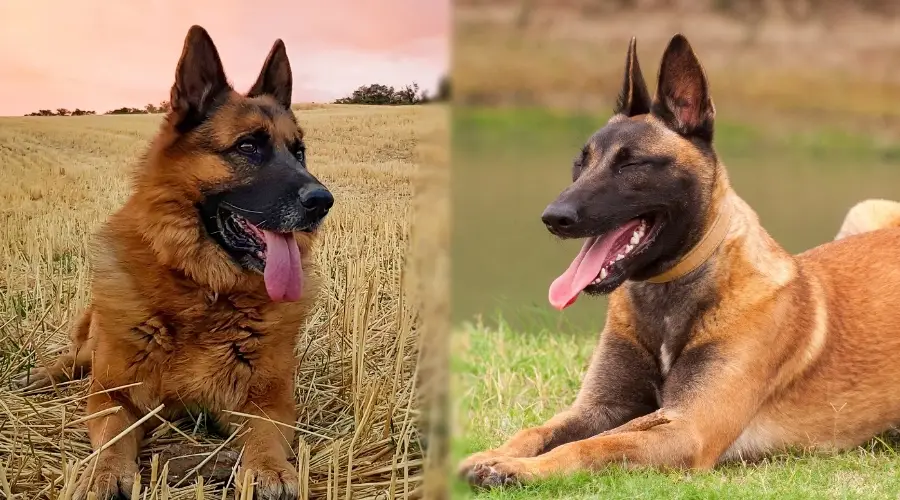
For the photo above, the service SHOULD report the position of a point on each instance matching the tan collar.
(703, 250)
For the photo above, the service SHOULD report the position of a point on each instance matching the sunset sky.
(100, 55)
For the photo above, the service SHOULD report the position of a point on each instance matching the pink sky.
(105, 54)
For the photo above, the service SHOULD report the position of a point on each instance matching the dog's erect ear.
(682, 96)
(275, 78)
(635, 98)
(199, 78)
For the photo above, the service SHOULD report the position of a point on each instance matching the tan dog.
(202, 279)
(718, 344)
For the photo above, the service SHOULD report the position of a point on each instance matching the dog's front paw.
(34, 379)
(500, 471)
(273, 481)
(467, 464)
(111, 479)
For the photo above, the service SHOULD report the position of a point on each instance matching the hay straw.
(120, 435)
(63, 176)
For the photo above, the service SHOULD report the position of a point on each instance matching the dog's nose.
(560, 216)
(318, 201)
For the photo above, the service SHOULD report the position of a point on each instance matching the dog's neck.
(721, 212)
(703, 250)
(671, 303)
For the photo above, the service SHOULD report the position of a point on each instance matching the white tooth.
(603, 273)
(619, 257)
(629, 248)
(635, 238)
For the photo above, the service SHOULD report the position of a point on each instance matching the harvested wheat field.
(357, 395)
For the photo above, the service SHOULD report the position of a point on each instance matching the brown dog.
(718, 344)
(202, 279)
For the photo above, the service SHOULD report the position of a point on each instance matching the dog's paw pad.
(276, 483)
(105, 485)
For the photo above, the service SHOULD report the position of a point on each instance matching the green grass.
(510, 163)
(505, 380)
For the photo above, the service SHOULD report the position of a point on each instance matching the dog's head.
(642, 185)
(240, 162)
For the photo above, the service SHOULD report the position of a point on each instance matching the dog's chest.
(665, 321)
(215, 361)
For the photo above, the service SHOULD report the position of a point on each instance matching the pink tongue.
(283, 273)
(586, 266)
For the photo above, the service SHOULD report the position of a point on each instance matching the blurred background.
(808, 116)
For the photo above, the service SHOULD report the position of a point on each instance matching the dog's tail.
(72, 365)
(870, 215)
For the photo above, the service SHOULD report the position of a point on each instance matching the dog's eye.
(578, 164)
(247, 147)
(625, 166)
(300, 155)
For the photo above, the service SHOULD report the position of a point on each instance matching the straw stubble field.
(357, 397)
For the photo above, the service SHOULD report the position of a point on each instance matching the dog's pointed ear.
(634, 99)
(199, 77)
(275, 78)
(683, 100)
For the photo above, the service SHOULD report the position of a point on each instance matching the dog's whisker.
(235, 207)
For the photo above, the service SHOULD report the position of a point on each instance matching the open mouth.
(604, 261)
(274, 254)
(242, 236)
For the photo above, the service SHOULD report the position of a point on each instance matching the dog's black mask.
(276, 194)
(249, 155)
(642, 184)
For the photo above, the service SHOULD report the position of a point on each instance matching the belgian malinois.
(202, 279)
(718, 344)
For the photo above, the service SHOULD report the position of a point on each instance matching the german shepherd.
(202, 279)
(718, 344)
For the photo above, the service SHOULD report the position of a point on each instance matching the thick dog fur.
(754, 351)
(172, 314)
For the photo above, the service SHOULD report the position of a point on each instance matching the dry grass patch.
(357, 383)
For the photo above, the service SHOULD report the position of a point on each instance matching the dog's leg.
(74, 364)
(620, 385)
(267, 445)
(111, 473)
(693, 431)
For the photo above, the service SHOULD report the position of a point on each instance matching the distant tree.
(149, 108)
(164, 107)
(409, 94)
(370, 94)
(126, 111)
(378, 94)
